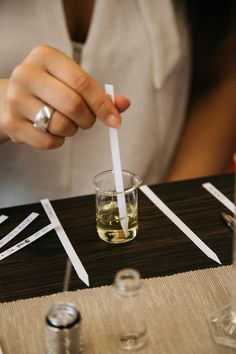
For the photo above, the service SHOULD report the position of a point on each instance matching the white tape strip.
(18, 229)
(219, 196)
(179, 223)
(26, 241)
(116, 161)
(3, 218)
(77, 264)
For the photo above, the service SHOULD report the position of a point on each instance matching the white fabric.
(139, 46)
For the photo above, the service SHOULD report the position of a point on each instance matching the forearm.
(3, 85)
(209, 139)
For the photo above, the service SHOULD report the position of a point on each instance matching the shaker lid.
(63, 315)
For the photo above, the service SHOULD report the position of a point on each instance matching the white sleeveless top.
(141, 47)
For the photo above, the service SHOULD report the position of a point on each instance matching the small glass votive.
(108, 223)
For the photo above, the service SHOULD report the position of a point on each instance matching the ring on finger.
(42, 118)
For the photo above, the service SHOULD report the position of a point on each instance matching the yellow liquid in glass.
(109, 227)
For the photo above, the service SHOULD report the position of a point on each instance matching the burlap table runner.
(176, 310)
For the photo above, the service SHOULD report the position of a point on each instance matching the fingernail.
(112, 121)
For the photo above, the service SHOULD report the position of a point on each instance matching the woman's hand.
(48, 77)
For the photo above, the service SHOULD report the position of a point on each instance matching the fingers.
(66, 70)
(48, 89)
(21, 130)
(48, 77)
(59, 124)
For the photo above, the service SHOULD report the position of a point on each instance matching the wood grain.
(160, 248)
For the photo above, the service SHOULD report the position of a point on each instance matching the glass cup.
(222, 322)
(108, 223)
(129, 317)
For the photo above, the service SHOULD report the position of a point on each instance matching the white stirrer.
(115, 151)
(2, 219)
(179, 223)
(76, 262)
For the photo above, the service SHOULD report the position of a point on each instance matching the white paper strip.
(179, 223)
(219, 196)
(26, 241)
(3, 218)
(18, 229)
(77, 264)
(115, 152)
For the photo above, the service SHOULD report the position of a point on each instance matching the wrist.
(3, 88)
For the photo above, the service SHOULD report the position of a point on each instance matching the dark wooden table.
(160, 248)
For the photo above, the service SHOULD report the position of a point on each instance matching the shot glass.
(108, 223)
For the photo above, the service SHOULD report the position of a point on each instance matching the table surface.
(160, 248)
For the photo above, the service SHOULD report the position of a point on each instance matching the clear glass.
(129, 311)
(107, 214)
(63, 329)
(222, 323)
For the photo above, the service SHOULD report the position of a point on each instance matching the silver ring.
(42, 118)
